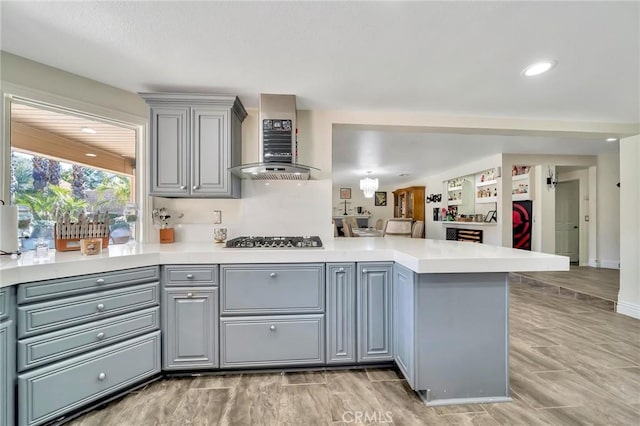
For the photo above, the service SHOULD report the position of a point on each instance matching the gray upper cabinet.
(374, 307)
(195, 139)
(404, 322)
(341, 313)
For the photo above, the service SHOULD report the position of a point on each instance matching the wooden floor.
(571, 364)
(600, 284)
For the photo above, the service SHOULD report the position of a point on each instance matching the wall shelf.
(486, 183)
(521, 197)
(520, 177)
(486, 200)
(451, 222)
(454, 202)
(455, 188)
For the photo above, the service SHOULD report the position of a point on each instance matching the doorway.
(568, 219)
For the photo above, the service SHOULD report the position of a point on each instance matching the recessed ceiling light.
(88, 130)
(88, 154)
(538, 68)
(612, 139)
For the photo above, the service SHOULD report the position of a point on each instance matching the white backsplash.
(266, 208)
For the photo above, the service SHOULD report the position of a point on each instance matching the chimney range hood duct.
(278, 143)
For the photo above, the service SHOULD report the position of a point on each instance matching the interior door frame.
(579, 208)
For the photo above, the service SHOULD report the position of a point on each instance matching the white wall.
(358, 199)
(608, 224)
(629, 296)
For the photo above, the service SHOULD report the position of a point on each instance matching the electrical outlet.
(217, 217)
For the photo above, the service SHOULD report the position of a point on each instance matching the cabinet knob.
(272, 328)
(100, 307)
(183, 187)
(195, 187)
(100, 336)
(273, 274)
(189, 276)
(341, 270)
(100, 281)
(189, 295)
(102, 377)
(364, 271)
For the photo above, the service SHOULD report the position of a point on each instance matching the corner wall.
(608, 225)
(629, 296)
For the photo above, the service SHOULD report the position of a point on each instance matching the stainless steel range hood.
(278, 143)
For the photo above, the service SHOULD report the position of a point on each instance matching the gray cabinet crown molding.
(203, 99)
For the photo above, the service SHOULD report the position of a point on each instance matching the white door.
(568, 219)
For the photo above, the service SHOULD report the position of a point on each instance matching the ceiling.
(115, 139)
(388, 154)
(446, 58)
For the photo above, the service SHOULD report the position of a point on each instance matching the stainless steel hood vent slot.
(278, 143)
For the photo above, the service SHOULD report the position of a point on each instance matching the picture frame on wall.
(345, 193)
(380, 198)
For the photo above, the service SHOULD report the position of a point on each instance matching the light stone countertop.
(419, 255)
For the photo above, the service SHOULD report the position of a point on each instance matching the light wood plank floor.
(598, 282)
(571, 364)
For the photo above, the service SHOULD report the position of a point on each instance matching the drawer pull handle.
(100, 281)
(364, 271)
(100, 307)
(273, 274)
(183, 187)
(189, 295)
(189, 276)
(272, 328)
(102, 377)
(341, 270)
(195, 187)
(100, 336)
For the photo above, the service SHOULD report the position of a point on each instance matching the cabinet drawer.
(5, 302)
(271, 340)
(48, 392)
(278, 289)
(192, 275)
(44, 290)
(49, 316)
(39, 350)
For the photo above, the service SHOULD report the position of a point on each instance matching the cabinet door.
(341, 313)
(190, 328)
(374, 312)
(169, 151)
(211, 152)
(7, 369)
(404, 321)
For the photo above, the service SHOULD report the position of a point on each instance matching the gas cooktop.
(275, 242)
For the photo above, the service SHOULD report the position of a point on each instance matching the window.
(66, 164)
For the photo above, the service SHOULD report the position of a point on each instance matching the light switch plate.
(217, 217)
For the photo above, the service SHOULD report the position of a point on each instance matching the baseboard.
(629, 309)
(610, 264)
(593, 263)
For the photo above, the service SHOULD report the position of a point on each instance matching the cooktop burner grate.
(275, 242)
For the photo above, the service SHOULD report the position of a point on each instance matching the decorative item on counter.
(42, 249)
(90, 246)
(68, 233)
(162, 221)
(220, 234)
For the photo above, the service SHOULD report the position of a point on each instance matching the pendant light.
(368, 186)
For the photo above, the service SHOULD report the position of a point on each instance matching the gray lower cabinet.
(5, 303)
(7, 373)
(83, 338)
(48, 392)
(341, 313)
(374, 307)
(190, 328)
(404, 322)
(195, 138)
(271, 340)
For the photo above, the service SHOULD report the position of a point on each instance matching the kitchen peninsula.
(438, 309)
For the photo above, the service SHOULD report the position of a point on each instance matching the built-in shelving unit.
(452, 222)
(486, 200)
(522, 183)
